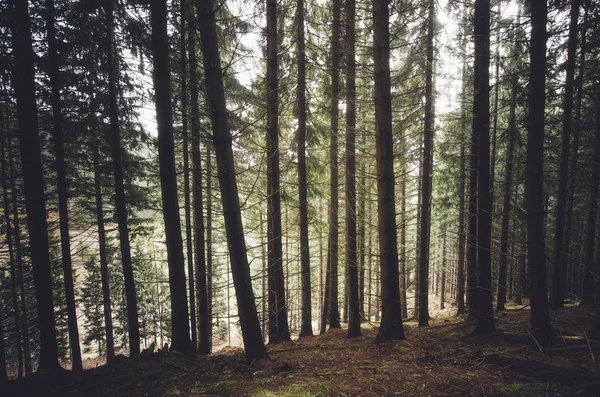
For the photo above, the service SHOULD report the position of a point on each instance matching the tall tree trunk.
(108, 325)
(391, 319)
(351, 257)
(460, 277)
(306, 327)
(34, 183)
(427, 175)
(209, 258)
(278, 319)
(361, 225)
(443, 281)
(572, 183)
(540, 321)
(333, 311)
(120, 202)
(61, 182)
(12, 262)
(184, 22)
(596, 294)
(19, 259)
(199, 243)
(222, 139)
(180, 327)
(495, 104)
(557, 295)
(512, 135)
(402, 267)
(481, 119)
(327, 293)
(588, 259)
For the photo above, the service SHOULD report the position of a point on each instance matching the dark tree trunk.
(254, 346)
(326, 294)
(120, 202)
(108, 325)
(278, 321)
(12, 262)
(209, 265)
(306, 327)
(333, 311)
(596, 325)
(557, 296)
(460, 277)
(481, 119)
(391, 320)
(589, 259)
(61, 182)
(402, 264)
(443, 281)
(512, 135)
(495, 104)
(361, 227)
(199, 243)
(351, 257)
(426, 182)
(574, 169)
(184, 19)
(180, 327)
(472, 227)
(19, 263)
(34, 183)
(540, 322)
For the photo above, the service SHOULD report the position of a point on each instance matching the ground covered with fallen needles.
(442, 359)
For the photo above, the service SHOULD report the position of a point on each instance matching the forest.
(299, 197)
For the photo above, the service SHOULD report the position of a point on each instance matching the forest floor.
(442, 359)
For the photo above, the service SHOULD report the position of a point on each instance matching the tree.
(120, 202)
(351, 257)
(168, 180)
(540, 321)
(427, 175)
(332, 253)
(35, 202)
(506, 203)
(61, 181)
(222, 139)
(278, 324)
(199, 242)
(184, 23)
(481, 120)
(108, 324)
(558, 271)
(391, 320)
(306, 326)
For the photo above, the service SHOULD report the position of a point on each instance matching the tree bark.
(108, 324)
(427, 175)
(574, 158)
(306, 326)
(391, 320)
(120, 202)
(184, 23)
(199, 242)
(278, 318)
(540, 322)
(12, 264)
(35, 202)
(333, 311)
(506, 207)
(180, 327)
(61, 182)
(481, 119)
(351, 257)
(222, 139)
(557, 296)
